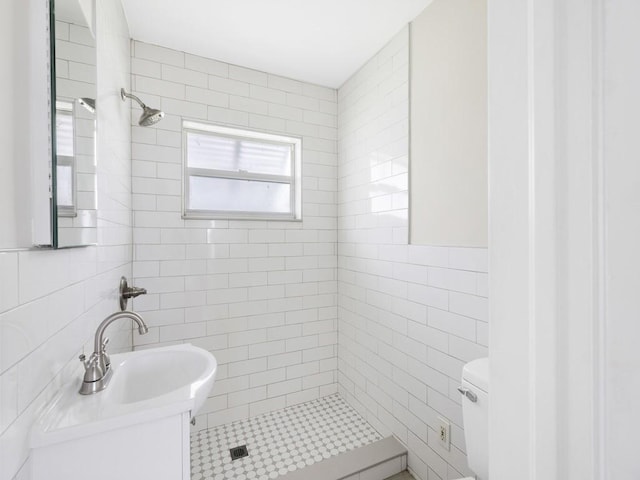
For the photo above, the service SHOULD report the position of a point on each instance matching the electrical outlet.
(444, 433)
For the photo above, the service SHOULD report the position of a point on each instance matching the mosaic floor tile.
(279, 442)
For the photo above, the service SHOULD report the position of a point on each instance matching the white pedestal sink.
(137, 428)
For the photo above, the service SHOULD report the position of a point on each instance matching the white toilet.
(475, 410)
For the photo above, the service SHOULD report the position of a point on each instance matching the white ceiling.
(317, 41)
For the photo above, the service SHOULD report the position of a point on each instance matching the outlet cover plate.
(444, 433)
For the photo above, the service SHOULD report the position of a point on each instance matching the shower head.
(88, 103)
(150, 116)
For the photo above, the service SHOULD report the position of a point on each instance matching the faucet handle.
(105, 342)
(93, 359)
(85, 362)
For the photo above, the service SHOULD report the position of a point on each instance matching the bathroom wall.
(409, 316)
(260, 295)
(52, 301)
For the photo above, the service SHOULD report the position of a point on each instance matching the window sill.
(247, 216)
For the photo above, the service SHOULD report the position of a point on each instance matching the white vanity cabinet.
(158, 449)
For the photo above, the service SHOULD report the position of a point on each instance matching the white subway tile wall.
(52, 301)
(260, 295)
(409, 316)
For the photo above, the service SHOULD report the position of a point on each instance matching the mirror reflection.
(75, 159)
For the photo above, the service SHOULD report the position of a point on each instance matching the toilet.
(475, 402)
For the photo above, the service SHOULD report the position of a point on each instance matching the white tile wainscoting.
(409, 316)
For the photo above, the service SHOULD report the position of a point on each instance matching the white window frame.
(294, 180)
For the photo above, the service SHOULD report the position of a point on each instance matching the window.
(65, 160)
(234, 173)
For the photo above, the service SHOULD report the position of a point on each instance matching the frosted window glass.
(229, 195)
(64, 185)
(64, 133)
(238, 154)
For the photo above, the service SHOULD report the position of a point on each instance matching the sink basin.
(150, 374)
(146, 385)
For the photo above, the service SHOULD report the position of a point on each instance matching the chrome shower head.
(150, 116)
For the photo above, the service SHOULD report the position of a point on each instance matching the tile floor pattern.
(279, 442)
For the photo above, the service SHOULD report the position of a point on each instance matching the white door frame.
(546, 191)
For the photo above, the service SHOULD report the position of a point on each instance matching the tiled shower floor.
(279, 442)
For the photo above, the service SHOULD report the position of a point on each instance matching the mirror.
(74, 165)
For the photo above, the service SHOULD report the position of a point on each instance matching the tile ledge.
(352, 462)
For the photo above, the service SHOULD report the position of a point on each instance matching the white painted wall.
(449, 203)
(52, 301)
(409, 316)
(260, 295)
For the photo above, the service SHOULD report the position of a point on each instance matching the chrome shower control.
(127, 292)
(468, 393)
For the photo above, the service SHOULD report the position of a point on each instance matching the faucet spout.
(142, 327)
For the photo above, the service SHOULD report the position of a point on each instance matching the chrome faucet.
(97, 370)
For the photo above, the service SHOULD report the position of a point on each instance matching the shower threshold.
(324, 439)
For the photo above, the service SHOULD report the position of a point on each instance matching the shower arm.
(124, 94)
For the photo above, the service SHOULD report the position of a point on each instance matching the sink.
(150, 374)
(146, 385)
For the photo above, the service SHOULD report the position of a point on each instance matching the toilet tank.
(475, 380)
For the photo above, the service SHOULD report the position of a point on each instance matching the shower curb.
(375, 461)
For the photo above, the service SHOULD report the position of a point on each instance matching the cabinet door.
(158, 449)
